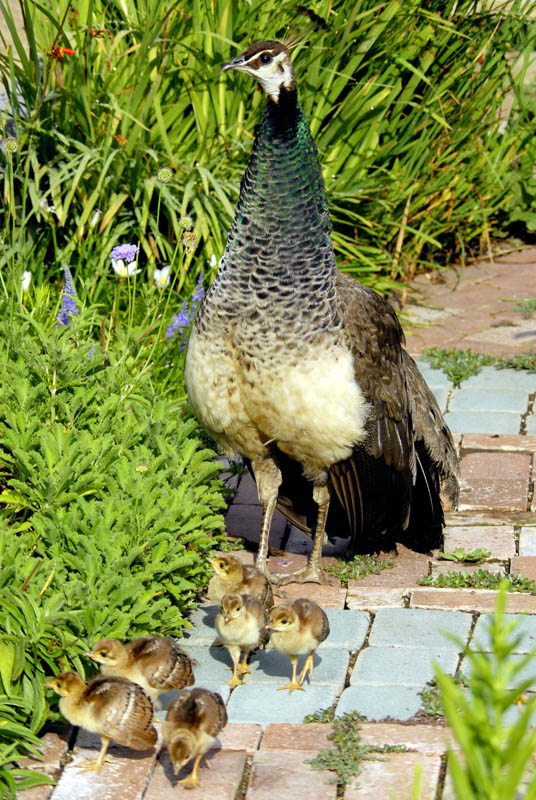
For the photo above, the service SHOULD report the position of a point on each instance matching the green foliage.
(432, 699)
(527, 306)
(458, 365)
(492, 755)
(358, 567)
(138, 123)
(480, 579)
(461, 555)
(324, 715)
(346, 757)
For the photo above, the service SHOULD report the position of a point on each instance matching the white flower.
(213, 260)
(162, 277)
(95, 218)
(124, 270)
(26, 278)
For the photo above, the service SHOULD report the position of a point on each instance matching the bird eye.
(265, 58)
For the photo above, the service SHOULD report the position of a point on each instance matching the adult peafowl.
(301, 369)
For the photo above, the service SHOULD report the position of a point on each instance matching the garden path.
(385, 629)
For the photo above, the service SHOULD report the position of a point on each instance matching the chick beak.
(177, 766)
(236, 63)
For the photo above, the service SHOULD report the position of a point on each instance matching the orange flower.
(96, 33)
(58, 52)
(120, 139)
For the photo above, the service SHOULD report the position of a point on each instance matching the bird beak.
(89, 654)
(212, 561)
(236, 63)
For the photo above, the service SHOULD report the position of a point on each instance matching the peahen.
(301, 369)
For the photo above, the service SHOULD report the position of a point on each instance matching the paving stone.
(483, 421)
(435, 378)
(203, 631)
(212, 667)
(262, 703)
(428, 739)
(380, 702)
(490, 441)
(499, 540)
(122, 777)
(527, 541)
(525, 566)
(408, 567)
(272, 667)
(397, 775)
(531, 425)
(347, 629)
(401, 666)
(525, 627)
(482, 399)
(494, 481)
(509, 379)
(221, 782)
(325, 596)
(470, 600)
(444, 567)
(312, 736)
(397, 627)
(441, 394)
(239, 736)
(527, 672)
(371, 598)
(284, 774)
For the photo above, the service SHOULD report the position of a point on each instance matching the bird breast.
(242, 631)
(80, 714)
(294, 642)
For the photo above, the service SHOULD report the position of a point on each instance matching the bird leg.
(235, 680)
(244, 668)
(192, 779)
(307, 667)
(294, 682)
(313, 572)
(268, 478)
(95, 764)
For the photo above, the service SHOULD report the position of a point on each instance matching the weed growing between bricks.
(459, 365)
(480, 579)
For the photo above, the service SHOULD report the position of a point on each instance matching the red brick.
(470, 600)
(282, 774)
(220, 782)
(408, 567)
(499, 540)
(311, 736)
(395, 776)
(239, 736)
(370, 598)
(525, 566)
(494, 481)
(325, 596)
(498, 442)
(427, 739)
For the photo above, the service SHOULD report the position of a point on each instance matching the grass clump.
(349, 752)
(493, 755)
(357, 567)
(432, 698)
(458, 365)
(480, 579)
(460, 555)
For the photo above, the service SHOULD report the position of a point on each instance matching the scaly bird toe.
(236, 680)
(291, 686)
(93, 764)
(308, 574)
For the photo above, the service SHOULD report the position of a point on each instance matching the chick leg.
(268, 478)
(243, 668)
(313, 572)
(192, 779)
(307, 667)
(235, 680)
(95, 764)
(294, 682)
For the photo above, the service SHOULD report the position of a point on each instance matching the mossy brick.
(498, 422)
(527, 541)
(435, 378)
(526, 629)
(401, 666)
(270, 666)
(347, 629)
(412, 627)
(465, 399)
(380, 702)
(509, 379)
(264, 704)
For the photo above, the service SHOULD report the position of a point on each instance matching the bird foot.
(190, 782)
(291, 686)
(244, 669)
(236, 680)
(93, 764)
(308, 574)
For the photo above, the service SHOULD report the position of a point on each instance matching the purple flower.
(198, 292)
(68, 303)
(181, 322)
(124, 252)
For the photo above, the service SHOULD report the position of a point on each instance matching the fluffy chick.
(296, 629)
(241, 625)
(193, 720)
(157, 663)
(230, 575)
(115, 708)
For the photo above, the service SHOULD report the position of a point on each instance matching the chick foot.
(294, 684)
(308, 574)
(93, 764)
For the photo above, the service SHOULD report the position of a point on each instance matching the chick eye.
(265, 58)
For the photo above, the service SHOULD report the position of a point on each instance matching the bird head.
(232, 606)
(269, 63)
(108, 651)
(282, 619)
(181, 749)
(67, 684)
(228, 567)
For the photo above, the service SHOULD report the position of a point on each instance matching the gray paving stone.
(212, 664)
(264, 704)
(526, 628)
(491, 378)
(203, 631)
(483, 421)
(465, 399)
(527, 541)
(531, 424)
(526, 672)
(330, 667)
(413, 627)
(379, 702)
(401, 666)
(347, 629)
(435, 378)
(441, 394)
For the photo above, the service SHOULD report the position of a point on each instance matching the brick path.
(385, 629)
